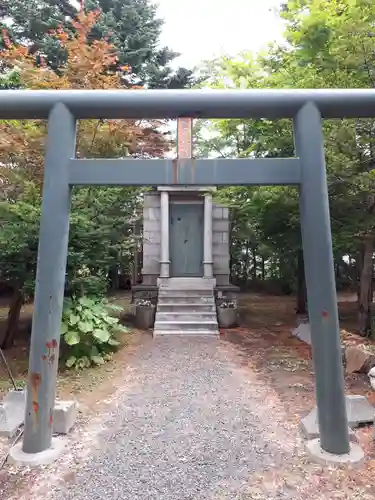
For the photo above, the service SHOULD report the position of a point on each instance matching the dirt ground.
(94, 390)
(265, 345)
(70, 381)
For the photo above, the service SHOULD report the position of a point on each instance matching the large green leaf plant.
(89, 331)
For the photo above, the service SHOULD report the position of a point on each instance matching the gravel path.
(192, 424)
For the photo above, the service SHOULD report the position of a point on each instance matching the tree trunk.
(13, 318)
(246, 263)
(114, 278)
(254, 259)
(365, 289)
(359, 267)
(301, 285)
(263, 270)
(341, 277)
(352, 272)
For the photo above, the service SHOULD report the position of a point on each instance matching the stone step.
(186, 326)
(187, 282)
(186, 299)
(185, 291)
(187, 316)
(181, 286)
(186, 308)
(189, 333)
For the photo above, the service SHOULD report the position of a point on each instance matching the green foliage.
(327, 44)
(332, 44)
(9, 80)
(89, 331)
(19, 226)
(264, 220)
(101, 236)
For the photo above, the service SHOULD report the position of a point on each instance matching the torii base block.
(355, 457)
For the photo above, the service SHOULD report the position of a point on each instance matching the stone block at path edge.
(64, 416)
(310, 428)
(359, 411)
(358, 360)
(303, 333)
(12, 414)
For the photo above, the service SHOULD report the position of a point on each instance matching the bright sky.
(204, 29)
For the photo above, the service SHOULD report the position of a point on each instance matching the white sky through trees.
(204, 29)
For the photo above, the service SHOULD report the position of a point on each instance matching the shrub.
(84, 283)
(89, 331)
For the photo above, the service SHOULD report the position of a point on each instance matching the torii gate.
(306, 170)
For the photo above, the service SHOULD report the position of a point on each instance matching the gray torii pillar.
(50, 281)
(320, 281)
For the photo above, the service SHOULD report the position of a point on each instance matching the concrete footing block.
(46, 457)
(64, 416)
(12, 412)
(358, 409)
(354, 458)
(15, 397)
(310, 428)
(303, 332)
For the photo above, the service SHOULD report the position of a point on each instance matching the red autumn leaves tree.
(86, 65)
